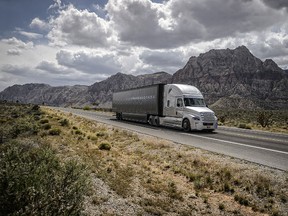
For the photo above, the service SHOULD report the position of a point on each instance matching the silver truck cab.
(184, 106)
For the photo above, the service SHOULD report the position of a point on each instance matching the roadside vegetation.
(268, 120)
(85, 167)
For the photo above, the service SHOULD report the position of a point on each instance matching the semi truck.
(174, 105)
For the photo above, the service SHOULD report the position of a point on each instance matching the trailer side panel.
(141, 101)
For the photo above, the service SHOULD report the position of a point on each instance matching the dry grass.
(249, 119)
(145, 175)
(134, 174)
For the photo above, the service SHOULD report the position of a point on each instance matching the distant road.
(266, 148)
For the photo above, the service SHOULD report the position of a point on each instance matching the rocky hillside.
(102, 91)
(227, 78)
(99, 93)
(42, 93)
(236, 78)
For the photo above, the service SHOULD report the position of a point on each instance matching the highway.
(265, 148)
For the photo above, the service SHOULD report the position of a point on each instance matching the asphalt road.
(265, 148)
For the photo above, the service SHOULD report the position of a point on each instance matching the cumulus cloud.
(39, 24)
(14, 52)
(53, 68)
(162, 58)
(89, 62)
(18, 43)
(177, 23)
(79, 27)
(44, 73)
(17, 70)
(277, 4)
(139, 24)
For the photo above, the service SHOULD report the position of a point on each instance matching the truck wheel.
(186, 125)
(156, 121)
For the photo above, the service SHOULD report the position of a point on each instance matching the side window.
(179, 102)
(168, 103)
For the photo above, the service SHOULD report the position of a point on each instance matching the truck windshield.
(198, 102)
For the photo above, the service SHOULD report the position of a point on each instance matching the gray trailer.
(140, 103)
(175, 105)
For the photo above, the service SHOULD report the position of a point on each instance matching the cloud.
(138, 25)
(162, 58)
(147, 24)
(54, 68)
(15, 52)
(277, 4)
(57, 4)
(89, 62)
(79, 27)
(222, 18)
(45, 72)
(22, 71)
(18, 43)
(39, 24)
(31, 35)
(177, 23)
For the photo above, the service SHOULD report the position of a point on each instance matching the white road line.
(255, 137)
(236, 143)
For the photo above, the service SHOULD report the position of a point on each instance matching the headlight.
(197, 118)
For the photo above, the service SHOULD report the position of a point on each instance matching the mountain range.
(232, 78)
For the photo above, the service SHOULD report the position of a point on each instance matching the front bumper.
(199, 125)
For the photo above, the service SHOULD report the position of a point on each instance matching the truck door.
(179, 107)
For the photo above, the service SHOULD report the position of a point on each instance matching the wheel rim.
(186, 125)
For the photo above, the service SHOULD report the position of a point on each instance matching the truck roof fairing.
(188, 90)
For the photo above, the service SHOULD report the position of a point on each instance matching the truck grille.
(208, 116)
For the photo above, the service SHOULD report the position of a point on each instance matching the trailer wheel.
(186, 125)
(151, 120)
(118, 116)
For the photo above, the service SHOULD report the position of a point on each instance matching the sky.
(69, 42)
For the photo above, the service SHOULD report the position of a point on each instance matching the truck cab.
(184, 106)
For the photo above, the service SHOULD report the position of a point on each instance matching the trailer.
(175, 105)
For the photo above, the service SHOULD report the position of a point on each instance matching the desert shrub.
(173, 192)
(20, 126)
(78, 132)
(100, 134)
(33, 181)
(241, 200)
(222, 118)
(64, 122)
(55, 131)
(46, 126)
(43, 121)
(264, 118)
(35, 108)
(221, 206)
(105, 146)
(244, 126)
(86, 108)
(37, 117)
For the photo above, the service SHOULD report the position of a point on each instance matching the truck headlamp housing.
(197, 118)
